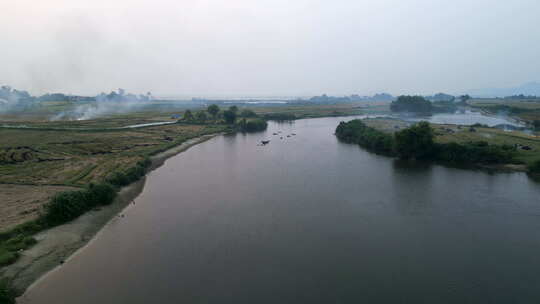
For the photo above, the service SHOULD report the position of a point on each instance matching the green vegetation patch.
(418, 142)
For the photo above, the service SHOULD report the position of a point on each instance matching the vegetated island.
(458, 146)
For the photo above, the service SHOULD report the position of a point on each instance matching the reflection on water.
(307, 219)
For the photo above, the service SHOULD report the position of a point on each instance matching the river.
(307, 219)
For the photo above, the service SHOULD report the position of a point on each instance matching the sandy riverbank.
(58, 244)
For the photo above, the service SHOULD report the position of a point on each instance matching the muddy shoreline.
(57, 244)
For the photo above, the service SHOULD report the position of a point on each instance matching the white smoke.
(14, 100)
(97, 109)
(106, 104)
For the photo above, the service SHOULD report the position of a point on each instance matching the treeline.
(415, 104)
(535, 167)
(417, 142)
(245, 120)
(252, 125)
(69, 205)
(355, 131)
(439, 103)
(280, 116)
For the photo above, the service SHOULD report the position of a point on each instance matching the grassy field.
(47, 161)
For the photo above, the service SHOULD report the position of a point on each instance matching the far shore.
(57, 244)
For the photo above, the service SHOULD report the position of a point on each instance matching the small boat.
(274, 134)
(265, 142)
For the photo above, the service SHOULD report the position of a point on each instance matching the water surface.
(464, 118)
(307, 219)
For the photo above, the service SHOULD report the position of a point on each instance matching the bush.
(8, 257)
(355, 131)
(19, 242)
(131, 175)
(474, 152)
(66, 206)
(535, 167)
(415, 142)
(101, 194)
(253, 125)
(536, 125)
(7, 294)
(229, 116)
(416, 104)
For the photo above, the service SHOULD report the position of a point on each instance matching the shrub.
(535, 167)
(131, 175)
(19, 242)
(66, 206)
(474, 152)
(415, 141)
(229, 116)
(536, 125)
(355, 131)
(100, 194)
(253, 125)
(8, 257)
(417, 104)
(7, 294)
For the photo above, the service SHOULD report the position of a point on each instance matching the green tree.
(415, 142)
(234, 109)
(229, 116)
(536, 125)
(188, 116)
(535, 167)
(417, 104)
(213, 110)
(464, 98)
(201, 116)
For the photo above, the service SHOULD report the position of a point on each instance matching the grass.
(76, 157)
(44, 157)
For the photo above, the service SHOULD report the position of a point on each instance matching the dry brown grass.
(22, 203)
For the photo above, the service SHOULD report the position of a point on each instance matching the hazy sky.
(268, 47)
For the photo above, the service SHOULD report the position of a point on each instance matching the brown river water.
(307, 219)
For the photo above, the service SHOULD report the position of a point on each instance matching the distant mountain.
(531, 88)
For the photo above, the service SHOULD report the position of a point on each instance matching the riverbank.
(57, 244)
